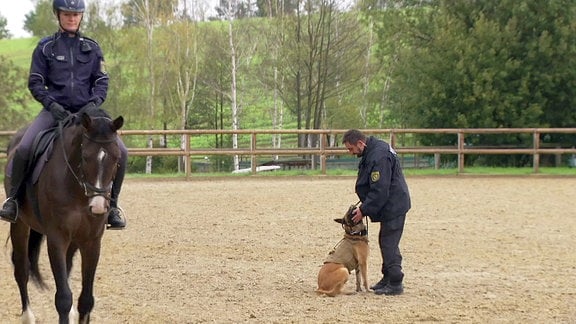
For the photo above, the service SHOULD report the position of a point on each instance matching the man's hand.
(58, 112)
(357, 215)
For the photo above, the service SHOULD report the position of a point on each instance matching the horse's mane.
(100, 125)
(92, 112)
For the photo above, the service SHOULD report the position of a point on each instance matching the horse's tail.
(34, 244)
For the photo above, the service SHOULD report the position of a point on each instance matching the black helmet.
(68, 5)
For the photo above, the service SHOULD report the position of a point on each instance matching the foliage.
(482, 64)
(392, 64)
(4, 32)
(13, 101)
(42, 21)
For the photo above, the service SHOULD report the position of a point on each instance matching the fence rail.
(321, 149)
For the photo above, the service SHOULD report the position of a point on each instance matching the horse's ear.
(118, 122)
(339, 220)
(86, 120)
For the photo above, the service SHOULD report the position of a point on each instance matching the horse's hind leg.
(19, 234)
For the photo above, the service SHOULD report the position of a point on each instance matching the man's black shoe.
(9, 210)
(115, 219)
(390, 290)
(380, 284)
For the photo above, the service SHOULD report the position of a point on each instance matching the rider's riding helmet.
(68, 5)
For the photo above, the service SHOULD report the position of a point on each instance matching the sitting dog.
(351, 253)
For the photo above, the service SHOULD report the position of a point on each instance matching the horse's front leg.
(19, 234)
(90, 255)
(57, 248)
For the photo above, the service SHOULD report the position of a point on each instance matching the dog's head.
(349, 226)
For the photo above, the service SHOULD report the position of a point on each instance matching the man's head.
(69, 14)
(355, 141)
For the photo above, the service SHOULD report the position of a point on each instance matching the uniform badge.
(103, 67)
(375, 176)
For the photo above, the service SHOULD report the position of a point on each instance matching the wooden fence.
(320, 148)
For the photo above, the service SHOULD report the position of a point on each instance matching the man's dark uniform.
(385, 198)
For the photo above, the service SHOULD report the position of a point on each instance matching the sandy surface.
(476, 250)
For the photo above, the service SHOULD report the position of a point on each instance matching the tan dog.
(351, 253)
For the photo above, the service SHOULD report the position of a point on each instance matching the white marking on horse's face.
(99, 205)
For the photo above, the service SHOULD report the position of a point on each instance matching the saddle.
(42, 148)
(41, 151)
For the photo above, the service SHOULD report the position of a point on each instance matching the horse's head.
(99, 157)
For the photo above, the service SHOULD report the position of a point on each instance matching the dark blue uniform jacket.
(380, 184)
(69, 71)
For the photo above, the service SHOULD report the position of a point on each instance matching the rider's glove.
(88, 106)
(58, 112)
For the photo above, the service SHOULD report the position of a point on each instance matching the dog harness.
(344, 253)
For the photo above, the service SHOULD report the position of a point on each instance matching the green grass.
(19, 50)
(352, 173)
(408, 172)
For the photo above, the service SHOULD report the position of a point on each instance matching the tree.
(275, 8)
(181, 71)
(320, 64)
(482, 64)
(15, 96)
(41, 21)
(135, 11)
(233, 73)
(4, 32)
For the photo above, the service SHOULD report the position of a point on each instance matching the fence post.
(536, 156)
(436, 161)
(323, 142)
(253, 160)
(187, 157)
(460, 151)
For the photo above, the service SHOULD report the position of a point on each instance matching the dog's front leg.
(364, 275)
(358, 281)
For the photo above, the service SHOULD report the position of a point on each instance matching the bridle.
(90, 190)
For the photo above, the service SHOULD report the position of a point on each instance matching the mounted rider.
(67, 75)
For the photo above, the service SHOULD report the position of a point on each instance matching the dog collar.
(361, 233)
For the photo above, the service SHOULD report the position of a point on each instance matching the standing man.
(67, 75)
(385, 198)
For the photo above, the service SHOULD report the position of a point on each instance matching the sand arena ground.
(248, 249)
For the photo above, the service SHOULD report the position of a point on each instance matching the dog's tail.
(331, 293)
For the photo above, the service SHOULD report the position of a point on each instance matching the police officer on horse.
(67, 75)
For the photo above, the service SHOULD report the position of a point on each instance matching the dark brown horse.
(67, 204)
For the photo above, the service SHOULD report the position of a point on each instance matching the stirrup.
(121, 212)
(121, 215)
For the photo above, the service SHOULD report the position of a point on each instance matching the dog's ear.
(339, 220)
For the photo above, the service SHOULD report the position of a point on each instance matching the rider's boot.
(116, 217)
(9, 210)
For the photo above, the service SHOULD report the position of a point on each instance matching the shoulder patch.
(103, 67)
(375, 176)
